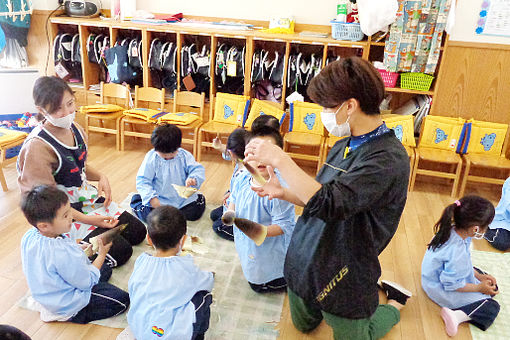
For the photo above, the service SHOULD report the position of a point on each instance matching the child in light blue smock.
(234, 151)
(498, 233)
(447, 273)
(170, 295)
(262, 265)
(66, 285)
(163, 166)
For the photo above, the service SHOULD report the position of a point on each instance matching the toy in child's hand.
(184, 192)
(254, 172)
(256, 231)
(107, 237)
(217, 142)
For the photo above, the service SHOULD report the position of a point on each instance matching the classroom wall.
(305, 12)
(467, 15)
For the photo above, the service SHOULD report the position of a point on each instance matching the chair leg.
(412, 159)
(457, 179)
(195, 142)
(2, 179)
(319, 159)
(87, 126)
(413, 174)
(122, 128)
(199, 146)
(465, 178)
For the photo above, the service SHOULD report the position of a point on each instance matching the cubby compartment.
(195, 63)
(230, 65)
(268, 70)
(163, 61)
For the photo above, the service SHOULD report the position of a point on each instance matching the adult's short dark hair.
(265, 120)
(352, 77)
(48, 93)
(166, 225)
(166, 138)
(265, 131)
(41, 204)
(236, 142)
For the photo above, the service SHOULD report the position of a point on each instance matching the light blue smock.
(447, 269)
(160, 290)
(502, 216)
(263, 263)
(156, 176)
(59, 274)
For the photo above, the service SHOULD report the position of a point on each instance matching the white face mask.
(478, 235)
(329, 121)
(62, 122)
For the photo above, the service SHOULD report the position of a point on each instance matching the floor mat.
(498, 265)
(237, 312)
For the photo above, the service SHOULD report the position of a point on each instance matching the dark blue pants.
(202, 301)
(192, 211)
(224, 231)
(277, 285)
(498, 238)
(482, 313)
(106, 300)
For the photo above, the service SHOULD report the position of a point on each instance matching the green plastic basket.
(416, 81)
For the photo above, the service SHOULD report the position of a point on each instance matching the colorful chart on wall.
(494, 18)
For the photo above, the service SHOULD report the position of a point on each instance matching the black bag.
(117, 62)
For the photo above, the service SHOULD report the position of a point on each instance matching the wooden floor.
(401, 260)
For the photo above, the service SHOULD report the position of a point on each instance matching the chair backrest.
(260, 107)
(231, 108)
(305, 117)
(403, 126)
(485, 138)
(189, 99)
(444, 133)
(150, 95)
(115, 91)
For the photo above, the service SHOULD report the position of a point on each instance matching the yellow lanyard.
(346, 151)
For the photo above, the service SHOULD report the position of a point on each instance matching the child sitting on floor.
(498, 234)
(170, 295)
(163, 166)
(60, 276)
(447, 274)
(235, 150)
(262, 265)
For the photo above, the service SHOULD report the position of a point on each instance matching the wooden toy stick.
(256, 231)
(254, 172)
(107, 237)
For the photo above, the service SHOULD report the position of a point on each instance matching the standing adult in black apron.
(351, 210)
(55, 153)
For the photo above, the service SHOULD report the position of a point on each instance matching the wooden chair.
(109, 91)
(403, 126)
(305, 131)
(230, 111)
(183, 101)
(8, 139)
(487, 144)
(142, 94)
(438, 143)
(261, 107)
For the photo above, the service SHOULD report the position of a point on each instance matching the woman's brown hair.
(48, 93)
(347, 78)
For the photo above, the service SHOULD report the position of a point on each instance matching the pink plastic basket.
(389, 78)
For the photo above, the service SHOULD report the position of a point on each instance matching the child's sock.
(452, 319)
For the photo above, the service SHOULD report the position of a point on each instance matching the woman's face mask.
(329, 121)
(62, 122)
